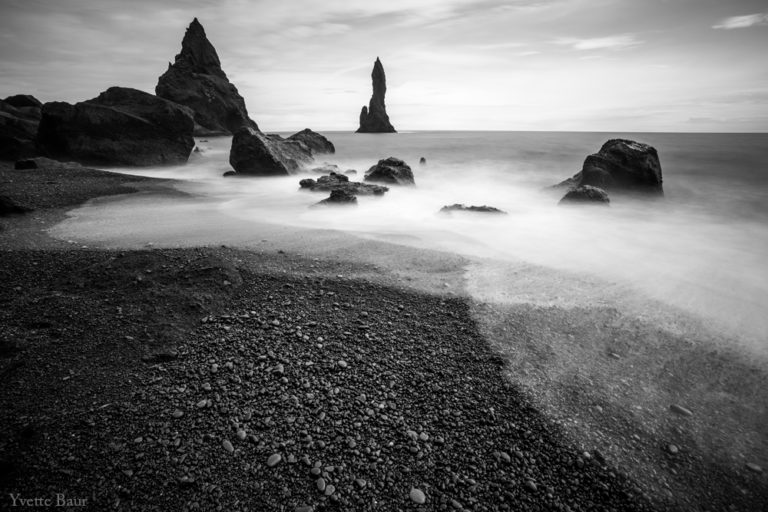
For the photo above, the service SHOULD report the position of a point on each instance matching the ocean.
(701, 251)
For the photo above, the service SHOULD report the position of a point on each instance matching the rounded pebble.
(417, 496)
(228, 446)
(679, 409)
(342, 364)
(320, 483)
(754, 467)
(274, 459)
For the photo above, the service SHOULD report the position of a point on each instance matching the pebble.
(178, 413)
(320, 483)
(417, 496)
(329, 490)
(214, 368)
(679, 409)
(202, 403)
(206, 386)
(228, 446)
(274, 459)
(530, 484)
(342, 363)
(455, 504)
(315, 471)
(672, 449)
(754, 467)
(241, 434)
(304, 508)
(360, 482)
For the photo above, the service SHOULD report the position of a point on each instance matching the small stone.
(214, 368)
(304, 508)
(424, 436)
(679, 409)
(329, 490)
(206, 386)
(315, 471)
(202, 403)
(360, 482)
(280, 368)
(505, 457)
(417, 496)
(178, 413)
(228, 446)
(241, 434)
(274, 459)
(530, 484)
(754, 467)
(455, 504)
(672, 449)
(342, 364)
(320, 483)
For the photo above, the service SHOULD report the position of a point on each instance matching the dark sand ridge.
(329, 254)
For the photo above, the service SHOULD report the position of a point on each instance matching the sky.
(565, 65)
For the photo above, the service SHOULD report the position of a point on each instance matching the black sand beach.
(167, 379)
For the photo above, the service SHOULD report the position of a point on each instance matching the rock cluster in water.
(374, 118)
(196, 80)
(391, 171)
(473, 209)
(336, 181)
(121, 126)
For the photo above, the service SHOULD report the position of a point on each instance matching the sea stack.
(197, 81)
(374, 118)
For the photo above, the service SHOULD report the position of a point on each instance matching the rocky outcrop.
(338, 198)
(119, 127)
(41, 162)
(621, 165)
(314, 141)
(374, 118)
(10, 207)
(391, 170)
(19, 119)
(196, 80)
(254, 153)
(586, 194)
(473, 209)
(336, 181)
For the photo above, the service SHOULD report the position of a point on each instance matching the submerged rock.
(196, 80)
(391, 170)
(422, 161)
(314, 141)
(621, 165)
(257, 154)
(338, 198)
(374, 118)
(335, 181)
(586, 194)
(121, 126)
(474, 209)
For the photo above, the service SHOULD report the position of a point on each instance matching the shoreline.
(282, 266)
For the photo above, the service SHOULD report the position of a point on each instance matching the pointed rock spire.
(196, 80)
(374, 118)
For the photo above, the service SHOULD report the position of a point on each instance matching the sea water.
(702, 249)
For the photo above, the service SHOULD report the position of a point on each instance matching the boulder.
(121, 126)
(196, 80)
(19, 120)
(586, 194)
(314, 141)
(41, 162)
(474, 209)
(391, 170)
(338, 198)
(10, 207)
(422, 161)
(335, 181)
(621, 165)
(374, 118)
(257, 154)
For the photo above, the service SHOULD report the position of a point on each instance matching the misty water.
(701, 250)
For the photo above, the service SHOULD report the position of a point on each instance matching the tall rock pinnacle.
(374, 118)
(196, 80)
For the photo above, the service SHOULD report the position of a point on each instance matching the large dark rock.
(586, 194)
(391, 170)
(257, 154)
(338, 198)
(196, 80)
(374, 118)
(335, 181)
(41, 162)
(621, 165)
(10, 207)
(472, 209)
(19, 119)
(314, 141)
(119, 127)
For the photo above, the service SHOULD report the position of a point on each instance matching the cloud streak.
(615, 42)
(750, 20)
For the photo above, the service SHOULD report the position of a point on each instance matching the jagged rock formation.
(196, 80)
(121, 126)
(19, 119)
(257, 154)
(473, 209)
(586, 194)
(316, 142)
(335, 181)
(391, 170)
(338, 198)
(374, 118)
(621, 165)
